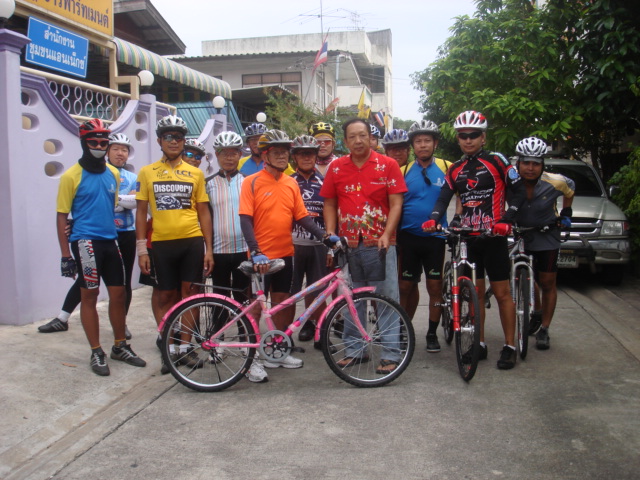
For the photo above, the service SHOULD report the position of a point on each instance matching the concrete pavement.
(570, 412)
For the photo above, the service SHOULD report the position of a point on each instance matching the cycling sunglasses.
(95, 143)
(197, 156)
(169, 137)
(467, 136)
(426, 179)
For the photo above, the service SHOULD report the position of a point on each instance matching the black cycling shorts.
(280, 282)
(545, 261)
(310, 261)
(178, 261)
(490, 254)
(98, 259)
(226, 274)
(421, 253)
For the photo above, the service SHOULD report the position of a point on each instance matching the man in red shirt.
(363, 195)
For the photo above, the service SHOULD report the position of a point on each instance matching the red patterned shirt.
(362, 195)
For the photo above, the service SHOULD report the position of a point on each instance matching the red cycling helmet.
(93, 126)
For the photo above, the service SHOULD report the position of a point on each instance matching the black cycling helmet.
(322, 127)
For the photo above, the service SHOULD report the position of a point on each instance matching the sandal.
(386, 366)
(351, 361)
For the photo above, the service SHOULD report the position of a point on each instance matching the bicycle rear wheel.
(204, 369)
(524, 307)
(447, 315)
(361, 362)
(468, 337)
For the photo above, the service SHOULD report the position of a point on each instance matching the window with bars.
(290, 80)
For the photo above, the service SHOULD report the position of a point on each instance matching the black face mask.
(93, 160)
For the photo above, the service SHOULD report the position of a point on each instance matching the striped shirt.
(224, 198)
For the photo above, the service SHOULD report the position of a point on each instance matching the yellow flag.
(361, 110)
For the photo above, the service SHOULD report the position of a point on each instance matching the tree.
(538, 71)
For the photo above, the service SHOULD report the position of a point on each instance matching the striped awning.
(145, 60)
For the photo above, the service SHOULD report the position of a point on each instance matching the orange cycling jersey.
(274, 205)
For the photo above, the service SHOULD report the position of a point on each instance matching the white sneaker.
(289, 362)
(256, 372)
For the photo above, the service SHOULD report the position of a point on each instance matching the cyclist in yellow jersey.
(173, 192)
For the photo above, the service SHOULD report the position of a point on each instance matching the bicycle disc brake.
(275, 346)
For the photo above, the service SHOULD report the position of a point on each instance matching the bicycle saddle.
(276, 265)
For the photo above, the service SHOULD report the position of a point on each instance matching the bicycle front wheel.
(468, 337)
(447, 316)
(524, 307)
(207, 369)
(368, 362)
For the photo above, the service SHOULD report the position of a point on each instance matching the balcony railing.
(83, 100)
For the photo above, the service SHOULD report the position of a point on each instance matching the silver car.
(599, 235)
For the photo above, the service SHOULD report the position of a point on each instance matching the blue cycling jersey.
(125, 220)
(421, 197)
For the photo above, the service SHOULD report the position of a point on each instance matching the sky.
(418, 28)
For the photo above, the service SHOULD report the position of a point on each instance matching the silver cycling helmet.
(304, 142)
(531, 147)
(227, 140)
(375, 131)
(426, 127)
(271, 138)
(171, 123)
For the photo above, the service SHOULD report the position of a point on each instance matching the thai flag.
(379, 118)
(322, 55)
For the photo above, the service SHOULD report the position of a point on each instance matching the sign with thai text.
(97, 15)
(56, 48)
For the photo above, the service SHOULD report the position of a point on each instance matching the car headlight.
(615, 227)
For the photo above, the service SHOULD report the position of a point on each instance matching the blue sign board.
(56, 48)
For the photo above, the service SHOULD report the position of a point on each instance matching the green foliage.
(287, 112)
(560, 72)
(627, 197)
(403, 124)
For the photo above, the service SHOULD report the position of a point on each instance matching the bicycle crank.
(275, 346)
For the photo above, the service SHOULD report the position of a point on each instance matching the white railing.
(83, 100)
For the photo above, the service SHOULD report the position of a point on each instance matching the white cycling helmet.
(531, 147)
(227, 140)
(194, 144)
(119, 139)
(470, 119)
(171, 123)
(375, 131)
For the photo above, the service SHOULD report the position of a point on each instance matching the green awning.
(145, 60)
(196, 114)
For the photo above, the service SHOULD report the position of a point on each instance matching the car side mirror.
(613, 190)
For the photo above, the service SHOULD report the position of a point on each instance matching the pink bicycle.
(368, 330)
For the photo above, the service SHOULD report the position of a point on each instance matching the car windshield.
(587, 184)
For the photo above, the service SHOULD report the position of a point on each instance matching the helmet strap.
(274, 167)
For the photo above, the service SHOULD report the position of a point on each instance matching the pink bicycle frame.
(335, 281)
